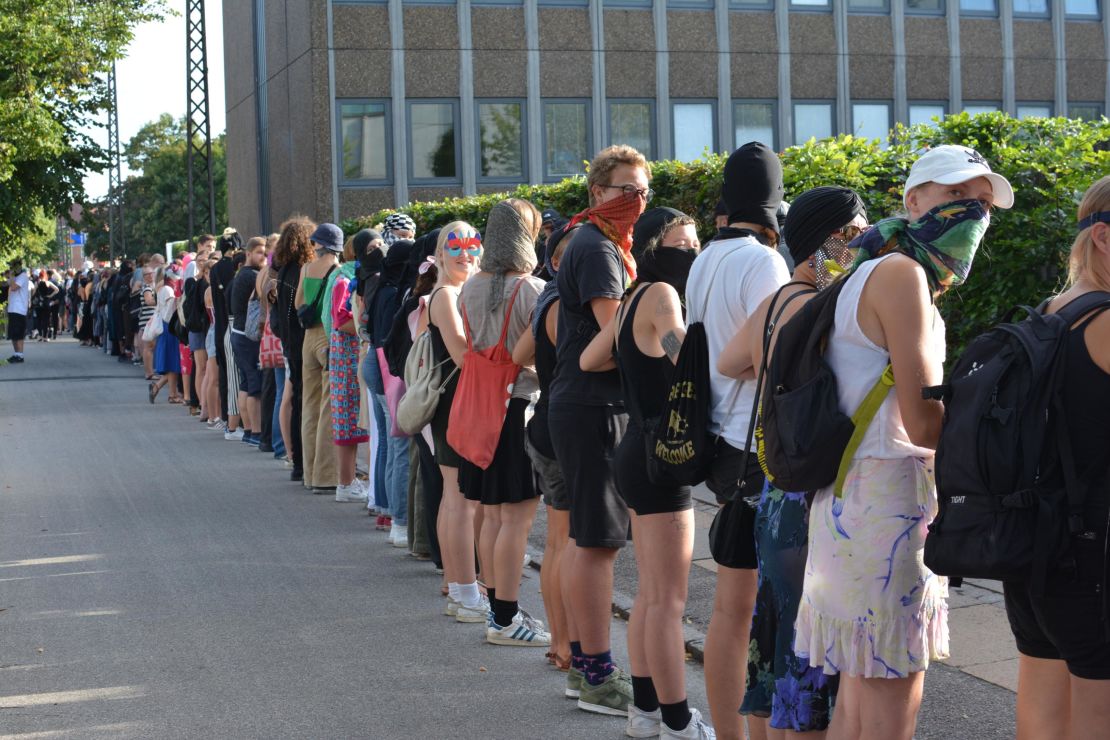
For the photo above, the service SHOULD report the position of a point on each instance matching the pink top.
(340, 309)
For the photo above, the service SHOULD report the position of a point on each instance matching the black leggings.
(432, 481)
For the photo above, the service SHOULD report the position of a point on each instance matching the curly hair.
(294, 245)
(608, 159)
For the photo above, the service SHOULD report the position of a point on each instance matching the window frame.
(935, 13)
(889, 104)
(420, 181)
(363, 181)
(980, 103)
(1038, 16)
(626, 4)
(712, 103)
(523, 103)
(1078, 17)
(587, 104)
(885, 10)
(774, 103)
(563, 3)
(943, 104)
(652, 117)
(978, 13)
(754, 6)
(796, 8)
(1099, 105)
(1038, 103)
(812, 101)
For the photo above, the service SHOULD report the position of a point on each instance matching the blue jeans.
(275, 431)
(396, 468)
(372, 376)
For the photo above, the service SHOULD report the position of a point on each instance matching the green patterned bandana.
(943, 241)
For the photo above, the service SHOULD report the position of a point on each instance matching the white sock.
(469, 595)
(453, 591)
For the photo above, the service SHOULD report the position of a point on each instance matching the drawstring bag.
(483, 394)
(270, 351)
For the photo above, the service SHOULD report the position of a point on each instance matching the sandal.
(152, 392)
(177, 399)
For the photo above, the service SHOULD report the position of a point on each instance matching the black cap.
(815, 214)
(550, 216)
(752, 188)
(650, 224)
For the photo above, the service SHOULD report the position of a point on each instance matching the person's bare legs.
(888, 706)
(212, 380)
(568, 574)
(200, 369)
(508, 550)
(487, 531)
(457, 515)
(637, 618)
(551, 587)
(726, 648)
(167, 379)
(345, 456)
(592, 596)
(285, 417)
(148, 357)
(479, 518)
(1090, 709)
(1043, 700)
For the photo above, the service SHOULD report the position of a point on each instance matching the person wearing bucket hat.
(865, 581)
(329, 237)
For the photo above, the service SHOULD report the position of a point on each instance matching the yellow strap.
(862, 419)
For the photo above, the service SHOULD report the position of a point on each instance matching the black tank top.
(1087, 406)
(538, 433)
(644, 379)
(439, 347)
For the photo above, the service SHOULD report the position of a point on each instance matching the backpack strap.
(862, 419)
(509, 313)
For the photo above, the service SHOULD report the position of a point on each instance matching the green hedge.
(1050, 161)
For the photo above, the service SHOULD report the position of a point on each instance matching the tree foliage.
(54, 58)
(1049, 161)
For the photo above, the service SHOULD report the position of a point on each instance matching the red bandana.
(615, 219)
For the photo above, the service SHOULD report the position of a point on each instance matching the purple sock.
(598, 667)
(577, 662)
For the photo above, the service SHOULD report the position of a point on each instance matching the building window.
(751, 4)
(975, 109)
(1031, 8)
(925, 113)
(694, 129)
(501, 140)
(566, 138)
(979, 7)
(632, 122)
(871, 120)
(1034, 110)
(925, 7)
(565, 3)
(753, 121)
(433, 154)
(1087, 9)
(703, 4)
(626, 3)
(364, 136)
(810, 4)
(812, 121)
(1085, 111)
(869, 6)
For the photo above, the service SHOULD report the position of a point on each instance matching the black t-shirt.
(242, 288)
(220, 277)
(591, 268)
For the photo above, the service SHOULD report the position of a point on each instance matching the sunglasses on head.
(456, 244)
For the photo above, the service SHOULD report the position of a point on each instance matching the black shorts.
(246, 360)
(17, 326)
(1068, 622)
(508, 479)
(585, 438)
(636, 487)
(732, 536)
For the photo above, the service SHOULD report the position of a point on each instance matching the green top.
(343, 269)
(312, 288)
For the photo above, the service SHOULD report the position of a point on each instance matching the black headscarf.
(670, 265)
(369, 262)
(814, 215)
(752, 188)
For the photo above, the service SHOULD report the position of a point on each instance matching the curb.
(694, 639)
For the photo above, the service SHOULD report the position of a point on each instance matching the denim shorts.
(196, 341)
(246, 359)
(210, 342)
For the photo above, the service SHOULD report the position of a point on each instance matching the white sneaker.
(236, 436)
(695, 730)
(350, 493)
(516, 635)
(452, 608)
(401, 537)
(474, 614)
(643, 724)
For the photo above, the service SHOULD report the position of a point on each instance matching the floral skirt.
(869, 605)
(343, 374)
(782, 686)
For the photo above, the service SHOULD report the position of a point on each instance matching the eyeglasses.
(646, 193)
(456, 244)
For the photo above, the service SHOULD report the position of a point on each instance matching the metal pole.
(198, 139)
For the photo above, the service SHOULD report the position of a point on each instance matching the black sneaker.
(15, 358)
(296, 474)
(265, 447)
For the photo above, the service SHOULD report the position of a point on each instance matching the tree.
(54, 58)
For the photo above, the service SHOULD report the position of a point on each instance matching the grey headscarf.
(507, 246)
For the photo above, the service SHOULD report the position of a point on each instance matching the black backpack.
(1007, 487)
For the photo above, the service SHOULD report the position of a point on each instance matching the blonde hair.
(441, 242)
(608, 159)
(255, 241)
(1083, 261)
(349, 249)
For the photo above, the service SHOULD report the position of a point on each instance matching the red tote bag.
(269, 349)
(483, 394)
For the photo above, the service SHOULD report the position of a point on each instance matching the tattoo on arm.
(671, 345)
(664, 306)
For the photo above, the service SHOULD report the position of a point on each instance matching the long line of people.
(309, 344)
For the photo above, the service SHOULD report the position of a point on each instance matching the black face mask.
(669, 265)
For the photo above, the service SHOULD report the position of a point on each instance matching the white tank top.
(858, 363)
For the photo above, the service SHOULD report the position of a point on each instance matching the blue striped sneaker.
(518, 634)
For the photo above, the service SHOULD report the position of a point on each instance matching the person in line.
(537, 348)
(735, 272)
(196, 316)
(318, 458)
(397, 226)
(502, 295)
(265, 292)
(134, 308)
(85, 322)
(244, 348)
(42, 299)
(167, 352)
(19, 303)
(220, 277)
(236, 431)
(370, 248)
(147, 311)
(784, 694)
(342, 368)
(587, 419)
(870, 609)
(644, 340)
(458, 250)
(1063, 635)
(211, 389)
(293, 251)
(121, 316)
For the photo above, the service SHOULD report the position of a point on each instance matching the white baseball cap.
(949, 164)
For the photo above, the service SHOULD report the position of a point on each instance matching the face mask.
(831, 260)
(943, 241)
(669, 265)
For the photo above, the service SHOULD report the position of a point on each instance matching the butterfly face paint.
(457, 243)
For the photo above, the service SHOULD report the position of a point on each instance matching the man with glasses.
(587, 420)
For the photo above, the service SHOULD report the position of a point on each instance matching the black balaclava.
(396, 261)
(814, 215)
(669, 265)
(369, 262)
(752, 188)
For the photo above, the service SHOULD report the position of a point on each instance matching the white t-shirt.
(18, 293)
(743, 273)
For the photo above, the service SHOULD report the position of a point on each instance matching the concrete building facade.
(336, 108)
